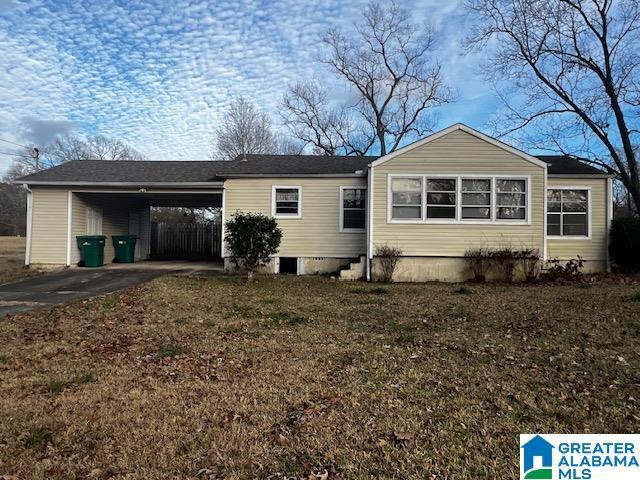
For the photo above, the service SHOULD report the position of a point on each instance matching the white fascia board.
(126, 184)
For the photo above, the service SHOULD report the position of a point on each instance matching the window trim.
(459, 220)
(390, 199)
(568, 237)
(273, 202)
(492, 199)
(341, 228)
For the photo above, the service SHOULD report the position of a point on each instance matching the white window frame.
(341, 219)
(390, 200)
(492, 186)
(425, 204)
(273, 202)
(458, 220)
(527, 197)
(569, 237)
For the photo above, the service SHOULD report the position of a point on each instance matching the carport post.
(27, 253)
(69, 220)
(222, 226)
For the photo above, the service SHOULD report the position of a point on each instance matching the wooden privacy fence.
(186, 241)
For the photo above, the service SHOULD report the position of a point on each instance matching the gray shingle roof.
(102, 171)
(566, 165)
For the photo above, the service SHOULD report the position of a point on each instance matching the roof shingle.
(124, 171)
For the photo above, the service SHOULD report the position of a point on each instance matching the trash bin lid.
(91, 237)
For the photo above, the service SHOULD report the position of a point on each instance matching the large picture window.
(567, 212)
(353, 202)
(406, 198)
(458, 198)
(287, 202)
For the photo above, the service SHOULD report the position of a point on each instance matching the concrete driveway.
(69, 285)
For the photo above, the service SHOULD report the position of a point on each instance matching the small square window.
(286, 202)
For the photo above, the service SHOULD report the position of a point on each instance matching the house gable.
(457, 129)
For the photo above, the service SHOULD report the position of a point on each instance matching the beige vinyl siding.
(49, 227)
(457, 153)
(595, 248)
(317, 233)
(78, 226)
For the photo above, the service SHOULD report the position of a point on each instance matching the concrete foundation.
(306, 265)
(455, 269)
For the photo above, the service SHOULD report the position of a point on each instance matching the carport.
(111, 198)
(123, 212)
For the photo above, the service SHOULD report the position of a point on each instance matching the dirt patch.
(292, 377)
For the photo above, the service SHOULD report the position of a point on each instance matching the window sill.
(353, 230)
(568, 237)
(461, 222)
(283, 217)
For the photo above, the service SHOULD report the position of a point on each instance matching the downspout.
(609, 220)
(544, 213)
(27, 253)
(369, 221)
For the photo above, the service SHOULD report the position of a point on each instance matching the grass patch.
(636, 297)
(87, 377)
(56, 386)
(38, 438)
(170, 350)
(4, 359)
(289, 376)
(286, 318)
(463, 290)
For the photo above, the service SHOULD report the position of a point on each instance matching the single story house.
(454, 190)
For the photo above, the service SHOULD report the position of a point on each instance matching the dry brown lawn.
(287, 377)
(12, 259)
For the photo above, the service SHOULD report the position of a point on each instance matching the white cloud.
(159, 75)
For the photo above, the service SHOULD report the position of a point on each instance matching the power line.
(11, 154)
(13, 143)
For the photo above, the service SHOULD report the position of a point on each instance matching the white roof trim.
(466, 129)
(63, 183)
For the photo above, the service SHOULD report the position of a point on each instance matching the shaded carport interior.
(129, 212)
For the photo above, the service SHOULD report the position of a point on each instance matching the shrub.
(505, 260)
(251, 239)
(530, 261)
(636, 297)
(624, 247)
(389, 258)
(479, 262)
(572, 270)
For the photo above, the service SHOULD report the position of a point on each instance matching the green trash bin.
(124, 247)
(91, 250)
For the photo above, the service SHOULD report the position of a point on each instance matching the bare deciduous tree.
(572, 66)
(386, 62)
(243, 130)
(68, 148)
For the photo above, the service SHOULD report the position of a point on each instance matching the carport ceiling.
(192, 200)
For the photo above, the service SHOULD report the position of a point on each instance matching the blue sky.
(159, 74)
